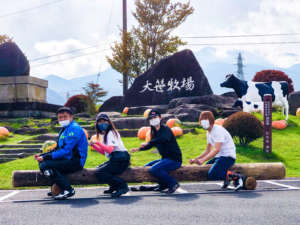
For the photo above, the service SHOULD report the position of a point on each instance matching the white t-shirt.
(117, 142)
(220, 134)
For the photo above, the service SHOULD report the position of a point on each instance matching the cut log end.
(250, 183)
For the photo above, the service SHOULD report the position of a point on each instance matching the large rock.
(13, 62)
(191, 112)
(114, 103)
(179, 75)
(294, 102)
(141, 109)
(216, 101)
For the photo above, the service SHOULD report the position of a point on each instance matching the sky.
(47, 27)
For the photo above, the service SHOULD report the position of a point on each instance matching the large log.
(260, 171)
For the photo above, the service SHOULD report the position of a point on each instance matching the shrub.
(81, 103)
(244, 126)
(273, 75)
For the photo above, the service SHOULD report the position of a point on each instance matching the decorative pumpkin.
(49, 146)
(148, 136)
(4, 133)
(142, 132)
(279, 124)
(146, 113)
(177, 131)
(173, 123)
(86, 133)
(298, 112)
(219, 121)
(125, 110)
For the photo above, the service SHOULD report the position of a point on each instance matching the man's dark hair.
(65, 109)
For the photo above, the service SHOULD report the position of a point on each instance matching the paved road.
(273, 202)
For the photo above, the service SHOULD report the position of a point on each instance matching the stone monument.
(21, 95)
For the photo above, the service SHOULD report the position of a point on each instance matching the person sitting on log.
(69, 156)
(220, 151)
(114, 149)
(163, 139)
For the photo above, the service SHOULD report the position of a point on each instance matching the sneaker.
(172, 189)
(119, 192)
(65, 194)
(238, 184)
(49, 194)
(227, 180)
(160, 188)
(108, 191)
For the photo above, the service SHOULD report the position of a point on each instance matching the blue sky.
(72, 24)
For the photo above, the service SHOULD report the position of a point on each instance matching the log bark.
(260, 171)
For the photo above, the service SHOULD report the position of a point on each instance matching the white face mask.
(154, 122)
(64, 123)
(205, 124)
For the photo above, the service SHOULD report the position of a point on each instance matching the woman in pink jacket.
(118, 157)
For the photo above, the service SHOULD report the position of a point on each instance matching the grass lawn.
(286, 149)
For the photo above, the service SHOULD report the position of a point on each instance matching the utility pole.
(125, 73)
(240, 72)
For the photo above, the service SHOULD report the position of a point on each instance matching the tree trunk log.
(260, 171)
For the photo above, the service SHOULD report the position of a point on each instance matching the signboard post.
(268, 123)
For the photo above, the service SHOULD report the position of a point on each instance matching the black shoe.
(172, 189)
(160, 188)
(49, 194)
(65, 194)
(119, 192)
(108, 191)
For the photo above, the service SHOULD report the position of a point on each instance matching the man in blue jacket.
(69, 156)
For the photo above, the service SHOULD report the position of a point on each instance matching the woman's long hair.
(110, 128)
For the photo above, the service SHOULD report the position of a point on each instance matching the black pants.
(60, 168)
(117, 164)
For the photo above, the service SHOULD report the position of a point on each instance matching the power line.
(62, 53)
(247, 43)
(246, 35)
(58, 61)
(29, 9)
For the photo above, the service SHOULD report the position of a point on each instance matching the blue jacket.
(71, 140)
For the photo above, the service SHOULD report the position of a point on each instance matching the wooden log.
(260, 171)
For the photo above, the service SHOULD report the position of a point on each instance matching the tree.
(151, 40)
(4, 38)
(94, 92)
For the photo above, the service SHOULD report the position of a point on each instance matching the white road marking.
(282, 185)
(9, 195)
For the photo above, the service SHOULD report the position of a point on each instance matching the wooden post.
(268, 123)
(125, 73)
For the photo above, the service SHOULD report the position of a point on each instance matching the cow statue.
(253, 92)
(250, 106)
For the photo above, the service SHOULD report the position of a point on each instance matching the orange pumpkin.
(125, 110)
(177, 131)
(219, 121)
(86, 133)
(146, 113)
(173, 123)
(142, 132)
(298, 112)
(279, 124)
(148, 136)
(4, 133)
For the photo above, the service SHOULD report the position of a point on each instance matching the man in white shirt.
(220, 151)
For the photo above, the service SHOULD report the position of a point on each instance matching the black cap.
(65, 109)
(153, 113)
(102, 116)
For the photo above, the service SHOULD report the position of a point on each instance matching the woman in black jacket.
(163, 139)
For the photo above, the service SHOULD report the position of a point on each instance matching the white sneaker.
(65, 194)
(239, 184)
